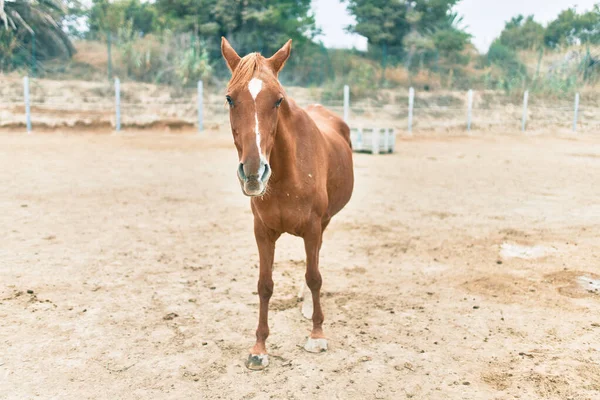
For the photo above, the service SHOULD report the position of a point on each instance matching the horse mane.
(247, 68)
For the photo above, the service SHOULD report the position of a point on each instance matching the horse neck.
(283, 156)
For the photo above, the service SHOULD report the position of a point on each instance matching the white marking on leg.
(302, 288)
(307, 303)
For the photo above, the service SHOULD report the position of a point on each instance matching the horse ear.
(278, 60)
(231, 57)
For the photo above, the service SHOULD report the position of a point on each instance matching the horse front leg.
(265, 239)
(317, 342)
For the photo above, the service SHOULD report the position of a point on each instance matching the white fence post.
(411, 106)
(117, 104)
(27, 105)
(576, 117)
(346, 102)
(525, 101)
(200, 106)
(470, 110)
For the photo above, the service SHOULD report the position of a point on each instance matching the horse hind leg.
(305, 295)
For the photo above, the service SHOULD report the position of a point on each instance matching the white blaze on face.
(255, 86)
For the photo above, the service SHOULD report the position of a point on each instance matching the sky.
(332, 17)
(484, 19)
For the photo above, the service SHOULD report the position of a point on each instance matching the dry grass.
(93, 53)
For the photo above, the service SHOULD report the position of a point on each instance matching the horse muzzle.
(254, 185)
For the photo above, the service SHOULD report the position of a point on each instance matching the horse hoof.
(316, 345)
(257, 362)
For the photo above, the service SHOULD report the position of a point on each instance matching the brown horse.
(297, 167)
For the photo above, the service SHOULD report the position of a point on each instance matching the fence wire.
(49, 109)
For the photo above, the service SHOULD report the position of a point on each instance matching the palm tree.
(39, 21)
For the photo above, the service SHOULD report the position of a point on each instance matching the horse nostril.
(241, 173)
(267, 173)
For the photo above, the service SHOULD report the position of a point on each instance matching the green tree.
(408, 27)
(382, 22)
(250, 25)
(191, 15)
(28, 23)
(450, 39)
(562, 29)
(267, 24)
(436, 14)
(589, 26)
(522, 33)
(143, 16)
(514, 72)
(571, 27)
(105, 17)
(109, 17)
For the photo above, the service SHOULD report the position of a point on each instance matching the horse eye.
(278, 102)
(229, 101)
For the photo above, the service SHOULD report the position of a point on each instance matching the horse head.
(255, 97)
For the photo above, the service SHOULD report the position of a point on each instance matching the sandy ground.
(463, 268)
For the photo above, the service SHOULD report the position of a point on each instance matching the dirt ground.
(463, 268)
